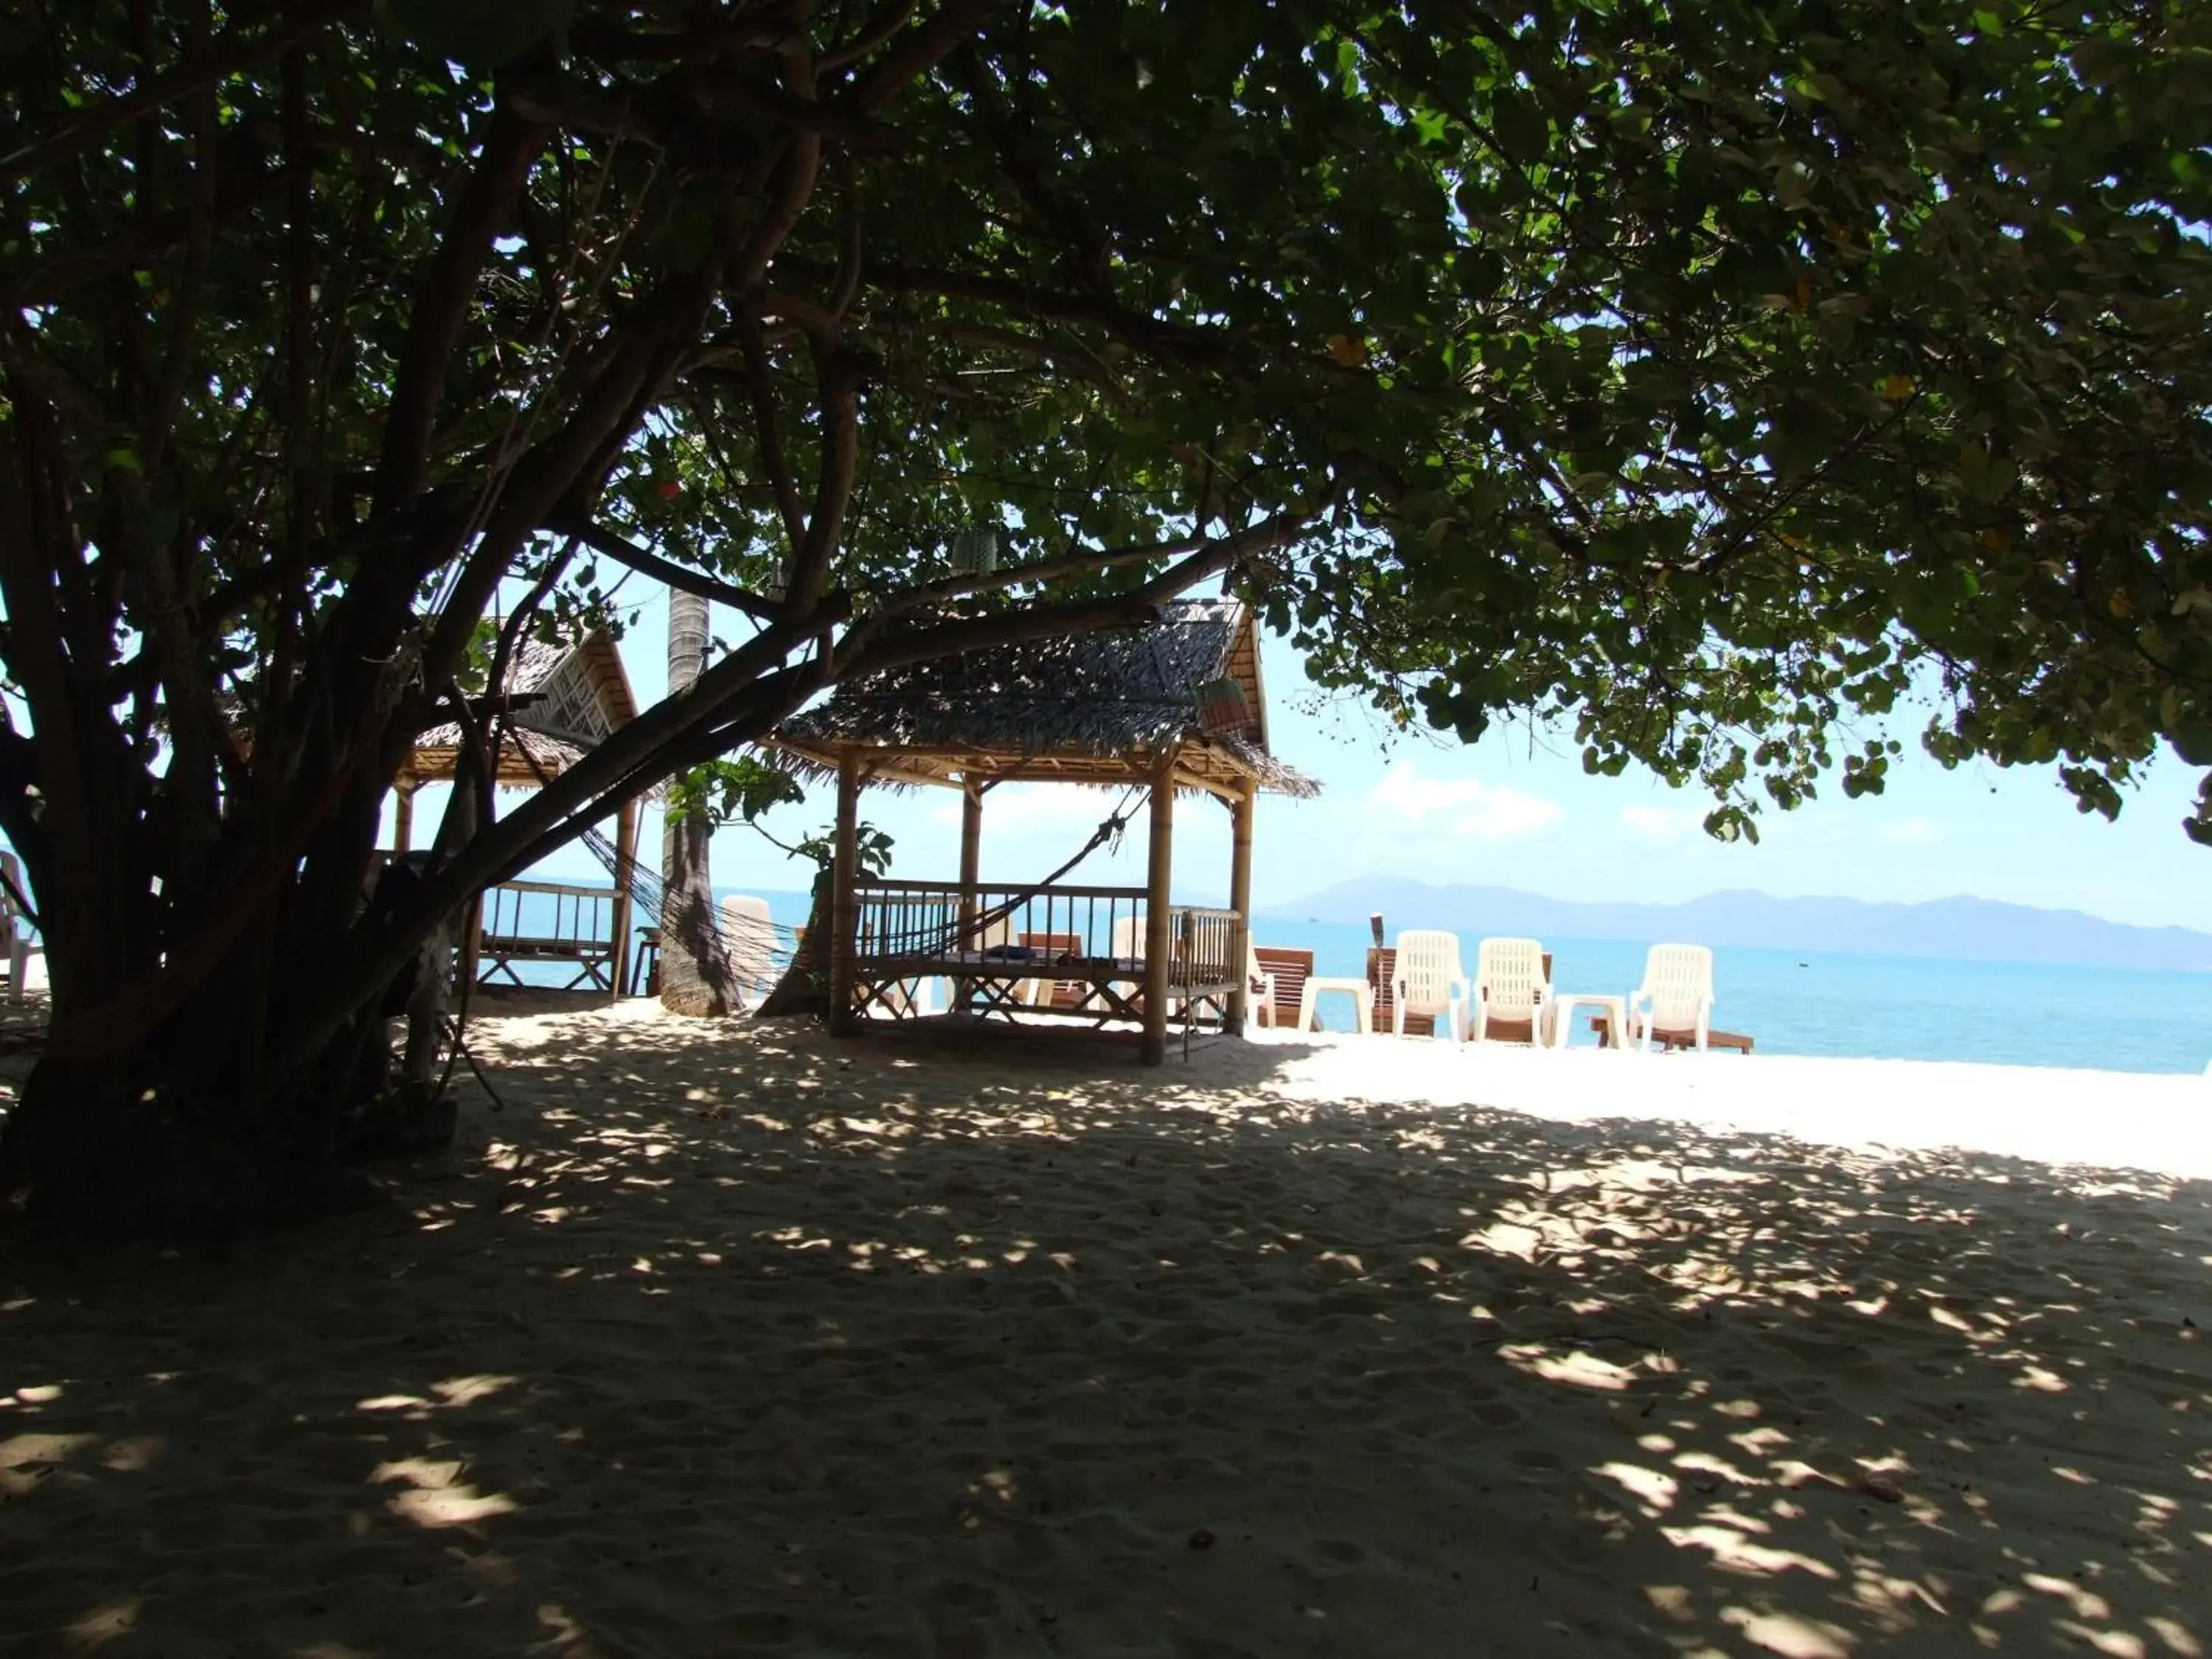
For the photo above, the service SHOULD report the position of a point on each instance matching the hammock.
(934, 939)
(750, 949)
(779, 943)
(754, 945)
(940, 937)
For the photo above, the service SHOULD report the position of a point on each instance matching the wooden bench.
(578, 936)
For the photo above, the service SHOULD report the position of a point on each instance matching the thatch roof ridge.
(1102, 693)
(532, 734)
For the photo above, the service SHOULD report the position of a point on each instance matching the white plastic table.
(1615, 1010)
(1361, 992)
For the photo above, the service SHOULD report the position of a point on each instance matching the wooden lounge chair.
(1668, 1039)
(1512, 991)
(1287, 972)
(1674, 1006)
(1382, 968)
(1429, 980)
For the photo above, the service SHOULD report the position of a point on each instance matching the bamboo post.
(1158, 848)
(971, 870)
(625, 861)
(1240, 901)
(844, 911)
(403, 818)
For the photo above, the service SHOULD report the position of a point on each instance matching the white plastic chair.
(1509, 985)
(1429, 980)
(18, 944)
(1676, 995)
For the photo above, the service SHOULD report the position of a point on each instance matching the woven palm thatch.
(1076, 707)
(583, 694)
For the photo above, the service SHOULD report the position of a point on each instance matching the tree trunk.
(169, 1135)
(804, 987)
(696, 975)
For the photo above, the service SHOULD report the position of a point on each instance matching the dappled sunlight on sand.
(720, 1339)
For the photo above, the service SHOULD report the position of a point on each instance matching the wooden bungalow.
(1173, 706)
(569, 697)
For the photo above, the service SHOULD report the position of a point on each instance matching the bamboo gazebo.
(567, 697)
(1173, 706)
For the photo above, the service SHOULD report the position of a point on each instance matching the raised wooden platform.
(568, 926)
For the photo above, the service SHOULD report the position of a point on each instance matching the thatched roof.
(581, 694)
(1080, 709)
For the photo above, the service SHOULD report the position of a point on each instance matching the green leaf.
(2193, 742)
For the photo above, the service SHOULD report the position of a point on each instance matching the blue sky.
(1516, 811)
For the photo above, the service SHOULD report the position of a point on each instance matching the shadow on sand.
(723, 1340)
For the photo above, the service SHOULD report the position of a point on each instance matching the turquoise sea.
(1801, 1002)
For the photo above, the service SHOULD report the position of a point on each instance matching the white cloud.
(1463, 807)
(1663, 823)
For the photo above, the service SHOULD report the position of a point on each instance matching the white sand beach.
(725, 1340)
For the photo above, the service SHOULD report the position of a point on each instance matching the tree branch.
(791, 182)
(447, 298)
(768, 434)
(837, 376)
(1140, 328)
(514, 841)
(865, 651)
(1040, 570)
(602, 540)
(871, 34)
(920, 52)
(231, 55)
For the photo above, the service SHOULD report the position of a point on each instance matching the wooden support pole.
(844, 910)
(1159, 851)
(403, 818)
(971, 873)
(625, 909)
(1240, 901)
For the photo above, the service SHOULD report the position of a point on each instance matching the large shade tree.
(1710, 374)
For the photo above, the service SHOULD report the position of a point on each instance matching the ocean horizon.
(1835, 1003)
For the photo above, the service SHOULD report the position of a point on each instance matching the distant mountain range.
(1978, 930)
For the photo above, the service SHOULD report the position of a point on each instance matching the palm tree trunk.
(695, 970)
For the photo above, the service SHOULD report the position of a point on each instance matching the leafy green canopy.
(1811, 356)
(1708, 375)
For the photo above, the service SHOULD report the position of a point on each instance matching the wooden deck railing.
(913, 920)
(908, 920)
(549, 922)
(1203, 943)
